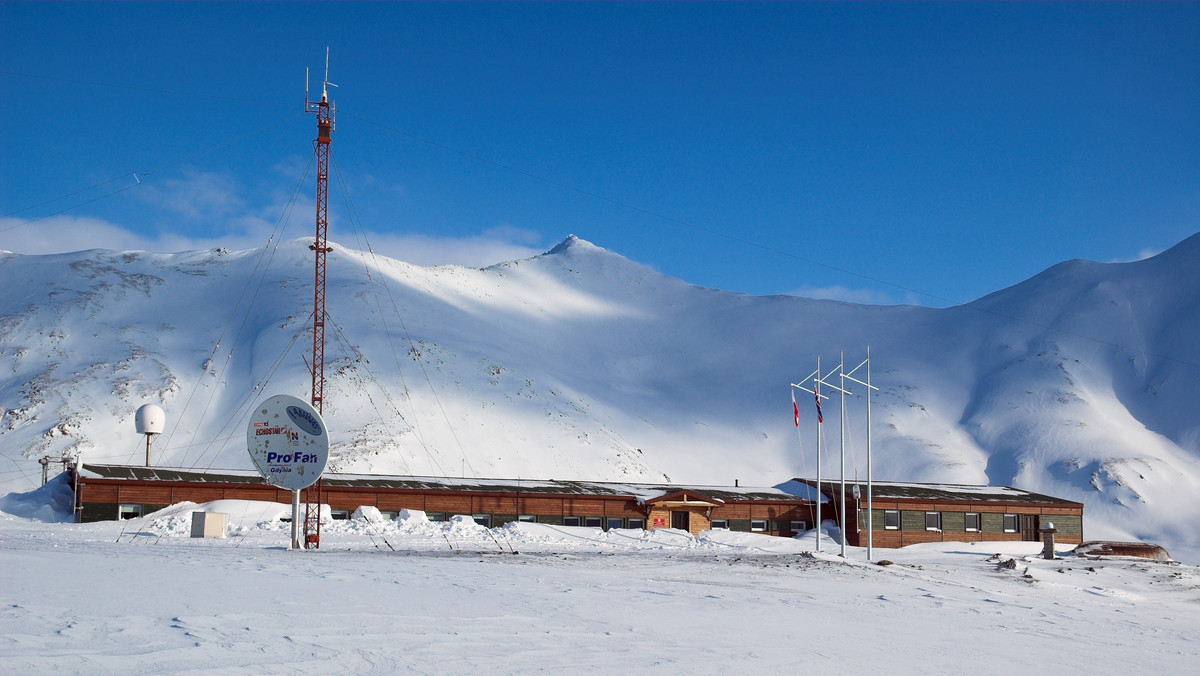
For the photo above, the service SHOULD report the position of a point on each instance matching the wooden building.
(119, 491)
(903, 514)
(910, 513)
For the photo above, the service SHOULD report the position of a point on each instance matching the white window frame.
(886, 514)
(135, 510)
(719, 524)
(593, 521)
(614, 522)
(1016, 521)
(436, 517)
(577, 521)
(799, 526)
(967, 522)
(637, 523)
(527, 518)
(340, 514)
(484, 520)
(755, 528)
(937, 519)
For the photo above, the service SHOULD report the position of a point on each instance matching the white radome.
(150, 419)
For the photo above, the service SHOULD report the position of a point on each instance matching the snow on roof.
(641, 492)
(895, 490)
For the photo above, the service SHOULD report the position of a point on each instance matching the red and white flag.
(795, 409)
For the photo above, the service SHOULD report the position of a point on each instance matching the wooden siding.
(954, 522)
(990, 522)
(732, 511)
(912, 520)
(1067, 521)
(98, 499)
(1067, 525)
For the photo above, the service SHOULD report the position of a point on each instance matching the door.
(1029, 527)
(679, 520)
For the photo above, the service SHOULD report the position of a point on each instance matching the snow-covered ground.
(414, 596)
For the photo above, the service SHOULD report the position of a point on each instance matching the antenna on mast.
(324, 111)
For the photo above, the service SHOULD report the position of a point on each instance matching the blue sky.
(876, 152)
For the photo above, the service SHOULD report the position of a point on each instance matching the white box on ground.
(209, 524)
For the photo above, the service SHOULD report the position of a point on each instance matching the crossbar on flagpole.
(804, 379)
(862, 383)
(868, 385)
(805, 389)
(835, 387)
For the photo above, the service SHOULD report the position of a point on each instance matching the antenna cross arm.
(805, 389)
(862, 383)
(834, 387)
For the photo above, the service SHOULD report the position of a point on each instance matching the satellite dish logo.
(304, 420)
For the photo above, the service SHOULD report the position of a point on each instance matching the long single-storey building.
(903, 514)
(909, 513)
(121, 491)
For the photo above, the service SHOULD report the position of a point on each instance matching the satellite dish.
(150, 419)
(856, 491)
(288, 442)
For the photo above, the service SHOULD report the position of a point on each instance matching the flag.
(817, 396)
(795, 409)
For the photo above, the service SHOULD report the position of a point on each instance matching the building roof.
(894, 490)
(641, 492)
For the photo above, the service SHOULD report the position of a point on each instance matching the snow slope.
(1080, 382)
(416, 597)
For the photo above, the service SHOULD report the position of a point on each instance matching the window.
(339, 514)
(129, 511)
(593, 522)
(1010, 524)
(972, 522)
(720, 524)
(570, 521)
(388, 515)
(799, 526)
(758, 525)
(435, 516)
(528, 518)
(614, 522)
(891, 519)
(933, 520)
(484, 520)
(637, 523)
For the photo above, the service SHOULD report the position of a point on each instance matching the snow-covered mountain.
(1081, 382)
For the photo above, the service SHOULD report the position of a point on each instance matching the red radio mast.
(325, 112)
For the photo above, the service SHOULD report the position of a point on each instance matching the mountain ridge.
(578, 363)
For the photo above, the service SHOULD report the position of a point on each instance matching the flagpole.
(816, 392)
(870, 485)
(842, 441)
(817, 395)
(870, 513)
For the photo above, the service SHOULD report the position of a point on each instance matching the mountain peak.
(571, 243)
